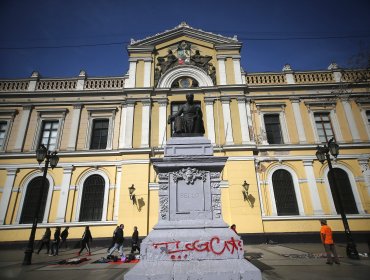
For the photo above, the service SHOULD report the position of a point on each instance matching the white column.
(314, 194)
(249, 119)
(364, 164)
(227, 121)
(129, 129)
(122, 130)
(210, 120)
(118, 191)
(298, 121)
(284, 126)
(7, 191)
(366, 122)
(351, 121)
(147, 71)
(131, 73)
(336, 126)
(237, 71)
(21, 136)
(222, 70)
(145, 123)
(262, 136)
(64, 192)
(75, 123)
(243, 121)
(162, 122)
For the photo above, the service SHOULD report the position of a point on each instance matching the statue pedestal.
(191, 240)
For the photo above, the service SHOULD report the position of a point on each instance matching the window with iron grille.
(99, 136)
(49, 134)
(324, 126)
(368, 117)
(31, 199)
(285, 196)
(344, 191)
(92, 199)
(175, 107)
(273, 129)
(3, 131)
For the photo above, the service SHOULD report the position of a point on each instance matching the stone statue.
(201, 61)
(212, 73)
(188, 120)
(157, 75)
(171, 61)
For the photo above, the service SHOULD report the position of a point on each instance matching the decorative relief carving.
(189, 175)
(163, 206)
(364, 166)
(215, 175)
(216, 202)
(163, 186)
(163, 176)
(215, 185)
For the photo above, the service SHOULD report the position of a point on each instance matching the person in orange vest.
(327, 240)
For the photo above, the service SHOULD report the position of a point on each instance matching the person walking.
(64, 236)
(327, 240)
(55, 243)
(85, 242)
(113, 239)
(45, 240)
(118, 245)
(135, 241)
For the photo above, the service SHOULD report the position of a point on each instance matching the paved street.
(281, 261)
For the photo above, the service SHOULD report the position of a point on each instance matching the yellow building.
(106, 129)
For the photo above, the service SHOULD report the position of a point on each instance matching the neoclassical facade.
(106, 129)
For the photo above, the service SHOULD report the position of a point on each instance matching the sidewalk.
(281, 261)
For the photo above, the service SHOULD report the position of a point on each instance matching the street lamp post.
(51, 158)
(322, 154)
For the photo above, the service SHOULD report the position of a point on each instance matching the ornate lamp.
(131, 192)
(41, 153)
(245, 190)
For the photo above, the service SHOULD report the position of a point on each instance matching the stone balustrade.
(252, 79)
(97, 84)
(265, 79)
(20, 85)
(56, 85)
(313, 77)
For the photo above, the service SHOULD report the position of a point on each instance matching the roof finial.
(183, 24)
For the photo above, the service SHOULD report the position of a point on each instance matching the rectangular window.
(323, 126)
(49, 134)
(3, 131)
(368, 117)
(273, 129)
(99, 136)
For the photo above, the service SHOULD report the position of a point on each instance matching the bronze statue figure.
(188, 121)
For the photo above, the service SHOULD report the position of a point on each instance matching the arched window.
(344, 191)
(285, 196)
(92, 199)
(31, 199)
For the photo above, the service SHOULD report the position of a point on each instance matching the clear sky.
(58, 38)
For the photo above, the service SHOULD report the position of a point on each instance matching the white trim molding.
(354, 187)
(203, 79)
(80, 187)
(25, 184)
(296, 189)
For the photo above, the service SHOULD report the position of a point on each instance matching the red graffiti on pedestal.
(215, 246)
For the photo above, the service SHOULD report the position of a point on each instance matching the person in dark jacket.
(118, 245)
(113, 239)
(64, 236)
(135, 241)
(85, 242)
(55, 243)
(45, 241)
